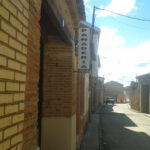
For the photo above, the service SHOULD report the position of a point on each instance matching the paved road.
(124, 129)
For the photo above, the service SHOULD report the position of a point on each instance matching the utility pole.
(93, 21)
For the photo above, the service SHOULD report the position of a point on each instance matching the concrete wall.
(59, 133)
(144, 98)
(101, 91)
(132, 94)
(149, 101)
(86, 93)
(144, 82)
(139, 96)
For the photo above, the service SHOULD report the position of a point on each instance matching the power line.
(130, 17)
(131, 25)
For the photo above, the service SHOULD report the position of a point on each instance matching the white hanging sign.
(84, 50)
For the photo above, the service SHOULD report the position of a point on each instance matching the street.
(124, 129)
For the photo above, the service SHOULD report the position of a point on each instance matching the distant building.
(138, 93)
(114, 89)
(144, 93)
(132, 94)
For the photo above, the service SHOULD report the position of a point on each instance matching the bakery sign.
(84, 50)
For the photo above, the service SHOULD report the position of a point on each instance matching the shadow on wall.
(116, 136)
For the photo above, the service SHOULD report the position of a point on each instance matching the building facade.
(101, 89)
(132, 94)
(144, 93)
(89, 85)
(114, 89)
(95, 66)
(38, 82)
(138, 93)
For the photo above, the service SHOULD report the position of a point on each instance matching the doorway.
(40, 92)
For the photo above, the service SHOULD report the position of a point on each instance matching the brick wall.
(58, 83)
(19, 73)
(33, 67)
(58, 77)
(13, 60)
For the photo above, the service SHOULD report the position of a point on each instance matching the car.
(110, 100)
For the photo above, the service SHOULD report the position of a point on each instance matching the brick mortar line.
(15, 71)
(8, 22)
(13, 49)
(18, 10)
(10, 36)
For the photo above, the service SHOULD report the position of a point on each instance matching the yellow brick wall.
(14, 21)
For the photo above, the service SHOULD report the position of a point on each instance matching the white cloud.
(90, 9)
(119, 6)
(123, 63)
(86, 1)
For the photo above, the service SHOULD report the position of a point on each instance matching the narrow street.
(124, 129)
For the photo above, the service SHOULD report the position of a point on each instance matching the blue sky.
(124, 43)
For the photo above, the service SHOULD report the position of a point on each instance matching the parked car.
(110, 100)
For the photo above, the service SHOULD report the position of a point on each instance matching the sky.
(124, 46)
